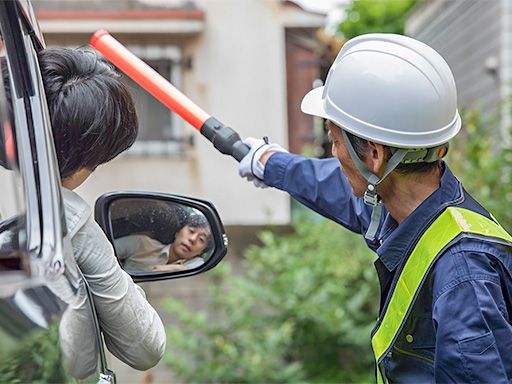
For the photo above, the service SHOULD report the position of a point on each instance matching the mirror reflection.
(159, 236)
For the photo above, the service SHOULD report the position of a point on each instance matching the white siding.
(506, 70)
(467, 33)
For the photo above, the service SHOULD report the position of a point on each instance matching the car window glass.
(12, 208)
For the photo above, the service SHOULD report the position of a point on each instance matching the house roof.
(296, 4)
(77, 14)
(113, 4)
(142, 16)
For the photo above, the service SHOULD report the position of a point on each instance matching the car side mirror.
(160, 236)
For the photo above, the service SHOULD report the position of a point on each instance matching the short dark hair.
(92, 112)
(199, 221)
(361, 147)
(196, 221)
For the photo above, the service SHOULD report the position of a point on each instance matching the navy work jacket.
(460, 328)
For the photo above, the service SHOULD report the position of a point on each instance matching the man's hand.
(169, 268)
(252, 166)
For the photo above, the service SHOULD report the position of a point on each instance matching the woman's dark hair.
(92, 112)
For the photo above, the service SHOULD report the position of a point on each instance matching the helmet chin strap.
(370, 196)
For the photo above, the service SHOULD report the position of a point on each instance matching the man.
(444, 264)
(93, 120)
(140, 252)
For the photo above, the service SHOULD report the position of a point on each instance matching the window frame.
(48, 243)
(35, 148)
(161, 147)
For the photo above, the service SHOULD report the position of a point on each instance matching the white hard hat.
(390, 89)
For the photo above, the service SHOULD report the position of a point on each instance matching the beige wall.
(240, 79)
(237, 75)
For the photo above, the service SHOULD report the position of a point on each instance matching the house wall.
(238, 75)
(468, 34)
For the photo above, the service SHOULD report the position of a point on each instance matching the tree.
(366, 16)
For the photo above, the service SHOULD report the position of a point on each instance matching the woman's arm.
(133, 330)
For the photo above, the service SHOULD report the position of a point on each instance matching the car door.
(48, 328)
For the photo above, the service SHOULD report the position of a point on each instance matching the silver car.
(39, 279)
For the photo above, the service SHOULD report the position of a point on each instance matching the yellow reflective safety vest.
(446, 229)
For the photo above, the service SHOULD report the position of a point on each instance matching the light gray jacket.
(132, 329)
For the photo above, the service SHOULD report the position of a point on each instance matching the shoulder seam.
(464, 279)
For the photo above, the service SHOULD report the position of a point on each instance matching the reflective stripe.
(450, 224)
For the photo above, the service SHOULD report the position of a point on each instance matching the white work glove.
(251, 167)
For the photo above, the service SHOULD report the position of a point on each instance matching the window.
(160, 130)
(12, 208)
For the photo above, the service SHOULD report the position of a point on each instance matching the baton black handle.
(224, 138)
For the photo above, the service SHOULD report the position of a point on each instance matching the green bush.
(483, 166)
(302, 311)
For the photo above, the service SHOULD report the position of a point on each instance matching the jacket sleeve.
(123, 246)
(472, 332)
(132, 329)
(320, 185)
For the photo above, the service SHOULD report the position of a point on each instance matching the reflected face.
(339, 150)
(190, 242)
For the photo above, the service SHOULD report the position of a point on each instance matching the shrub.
(302, 311)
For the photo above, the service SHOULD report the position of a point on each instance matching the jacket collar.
(77, 211)
(395, 238)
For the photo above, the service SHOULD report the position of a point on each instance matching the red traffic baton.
(224, 138)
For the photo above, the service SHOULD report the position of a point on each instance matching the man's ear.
(376, 158)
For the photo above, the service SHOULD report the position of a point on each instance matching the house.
(475, 38)
(247, 63)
